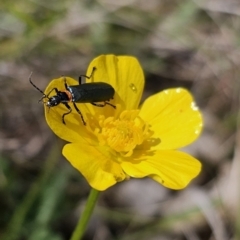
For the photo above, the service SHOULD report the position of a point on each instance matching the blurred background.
(179, 43)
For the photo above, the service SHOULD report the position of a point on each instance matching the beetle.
(93, 93)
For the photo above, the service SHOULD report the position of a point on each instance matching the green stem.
(83, 220)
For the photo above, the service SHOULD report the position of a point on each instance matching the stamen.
(122, 134)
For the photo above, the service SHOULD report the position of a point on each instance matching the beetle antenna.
(30, 80)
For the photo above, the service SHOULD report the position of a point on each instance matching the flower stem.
(83, 220)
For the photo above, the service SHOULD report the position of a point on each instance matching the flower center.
(123, 134)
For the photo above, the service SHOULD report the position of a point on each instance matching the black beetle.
(93, 93)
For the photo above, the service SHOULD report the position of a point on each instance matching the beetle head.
(53, 101)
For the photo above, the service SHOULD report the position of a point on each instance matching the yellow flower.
(125, 142)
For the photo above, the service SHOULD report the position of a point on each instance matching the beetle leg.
(70, 110)
(79, 112)
(55, 89)
(99, 104)
(108, 103)
(88, 77)
(65, 83)
(103, 104)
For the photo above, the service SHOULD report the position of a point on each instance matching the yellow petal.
(74, 128)
(174, 118)
(125, 75)
(95, 163)
(172, 169)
